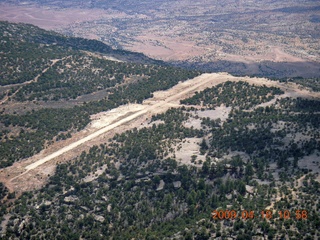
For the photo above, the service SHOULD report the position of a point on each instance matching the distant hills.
(259, 37)
(31, 44)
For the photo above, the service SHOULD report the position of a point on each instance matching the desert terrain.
(252, 38)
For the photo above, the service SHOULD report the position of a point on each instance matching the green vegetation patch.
(34, 129)
(265, 132)
(27, 50)
(22, 62)
(234, 94)
(311, 83)
(77, 75)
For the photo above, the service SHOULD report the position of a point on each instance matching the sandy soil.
(166, 48)
(95, 174)
(274, 54)
(188, 148)
(48, 18)
(33, 172)
(193, 123)
(311, 162)
(4, 223)
(102, 119)
(221, 112)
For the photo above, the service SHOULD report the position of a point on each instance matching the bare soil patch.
(311, 162)
(221, 112)
(166, 48)
(187, 148)
(48, 18)
(102, 119)
(193, 123)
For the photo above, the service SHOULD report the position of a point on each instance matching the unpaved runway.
(190, 86)
(23, 176)
(85, 139)
(161, 102)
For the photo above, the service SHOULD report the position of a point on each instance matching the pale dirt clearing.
(4, 223)
(85, 139)
(95, 174)
(112, 59)
(273, 53)
(33, 172)
(221, 112)
(193, 123)
(48, 18)
(311, 162)
(185, 149)
(166, 48)
(102, 119)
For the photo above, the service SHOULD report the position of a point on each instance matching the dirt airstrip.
(33, 172)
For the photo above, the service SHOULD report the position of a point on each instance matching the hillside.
(257, 37)
(49, 88)
(99, 149)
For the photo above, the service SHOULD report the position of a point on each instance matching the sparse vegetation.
(311, 83)
(239, 94)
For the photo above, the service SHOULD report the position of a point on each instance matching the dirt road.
(33, 172)
(190, 86)
(35, 79)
